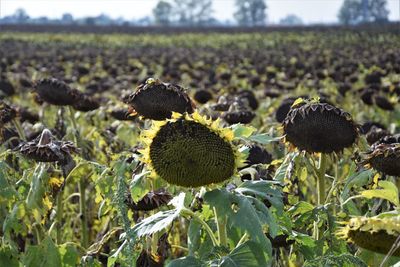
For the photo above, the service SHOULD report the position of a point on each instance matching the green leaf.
(240, 130)
(69, 255)
(44, 255)
(283, 170)
(263, 138)
(389, 192)
(249, 254)
(7, 192)
(241, 213)
(355, 179)
(194, 237)
(8, 258)
(160, 220)
(38, 187)
(186, 262)
(345, 260)
(264, 190)
(138, 186)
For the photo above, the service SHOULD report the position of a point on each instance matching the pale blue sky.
(311, 11)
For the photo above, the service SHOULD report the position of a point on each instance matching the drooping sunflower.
(157, 100)
(384, 158)
(56, 92)
(319, 127)
(191, 151)
(374, 233)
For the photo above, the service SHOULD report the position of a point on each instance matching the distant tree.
(291, 20)
(250, 12)
(162, 13)
(21, 16)
(378, 10)
(67, 18)
(193, 12)
(356, 11)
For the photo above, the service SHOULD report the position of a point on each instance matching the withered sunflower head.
(202, 96)
(56, 92)
(375, 234)
(86, 103)
(7, 113)
(191, 151)
(242, 116)
(375, 134)
(384, 158)
(45, 148)
(151, 201)
(319, 127)
(157, 100)
(122, 114)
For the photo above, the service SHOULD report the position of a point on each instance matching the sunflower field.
(228, 149)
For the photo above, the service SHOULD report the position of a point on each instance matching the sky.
(310, 11)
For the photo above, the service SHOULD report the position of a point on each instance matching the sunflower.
(157, 100)
(374, 233)
(191, 151)
(56, 92)
(319, 127)
(384, 158)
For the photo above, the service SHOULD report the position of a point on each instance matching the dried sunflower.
(375, 234)
(157, 100)
(56, 92)
(384, 158)
(150, 201)
(191, 151)
(86, 103)
(7, 113)
(46, 149)
(319, 127)
(202, 96)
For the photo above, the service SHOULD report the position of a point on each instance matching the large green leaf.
(44, 255)
(160, 220)
(8, 258)
(241, 213)
(69, 255)
(194, 236)
(387, 191)
(264, 190)
(38, 187)
(7, 192)
(248, 254)
(186, 262)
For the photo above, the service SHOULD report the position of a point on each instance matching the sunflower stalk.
(321, 188)
(81, 186)
(59, 214)
(188, 212)
(221, 228)
(19, 129)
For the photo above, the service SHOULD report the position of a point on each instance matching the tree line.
(200, 13)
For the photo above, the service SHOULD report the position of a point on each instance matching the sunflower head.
(7, 113)
(375, 234)
(56, 92)
(384, 158)
(157, 100)
(319, 127)
(191, 151)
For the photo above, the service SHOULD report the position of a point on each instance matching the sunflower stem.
(321, 188)
(203, 223)
(59, 213)
(82, 212)
(18, 127)
(221, 228)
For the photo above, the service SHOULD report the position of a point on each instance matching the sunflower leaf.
(241, 214)
(160, 220)
(388, 191)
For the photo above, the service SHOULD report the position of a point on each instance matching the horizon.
(310, 11)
